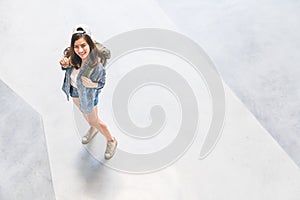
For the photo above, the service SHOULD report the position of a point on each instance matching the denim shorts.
(74, 93)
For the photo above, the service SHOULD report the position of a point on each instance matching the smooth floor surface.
(255, 46)
(247, 163)
(25, 169)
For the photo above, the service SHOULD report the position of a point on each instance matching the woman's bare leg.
(76, 102)
(94, 121)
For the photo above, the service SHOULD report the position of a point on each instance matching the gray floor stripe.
(24, 167)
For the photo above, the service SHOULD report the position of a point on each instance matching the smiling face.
(81, 48)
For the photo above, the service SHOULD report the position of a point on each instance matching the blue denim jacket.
(86, 95)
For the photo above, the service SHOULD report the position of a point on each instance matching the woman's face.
(81, 48)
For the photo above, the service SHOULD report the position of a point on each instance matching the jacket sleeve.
(65, 68)
(102, 79)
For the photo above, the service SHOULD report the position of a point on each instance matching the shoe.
(111, 147)
(89, 136)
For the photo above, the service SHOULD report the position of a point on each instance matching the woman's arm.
(89, 83)
(99, 81)
(65, 61)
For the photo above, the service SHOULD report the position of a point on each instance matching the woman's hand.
(64, 62)
(88, 82)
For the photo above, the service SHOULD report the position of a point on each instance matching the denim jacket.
(86, 95)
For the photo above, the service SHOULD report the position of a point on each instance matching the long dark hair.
(93, 56)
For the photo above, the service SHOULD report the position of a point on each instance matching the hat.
(82, 28)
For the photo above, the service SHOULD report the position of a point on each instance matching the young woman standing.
(84, 78)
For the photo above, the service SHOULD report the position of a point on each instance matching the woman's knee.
(97, 123)
(92, 123)
(103, 126)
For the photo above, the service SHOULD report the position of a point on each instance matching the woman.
(84, 78)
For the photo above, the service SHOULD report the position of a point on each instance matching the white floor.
(255, 46)
(247, 163)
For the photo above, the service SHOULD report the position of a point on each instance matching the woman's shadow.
(98, 179)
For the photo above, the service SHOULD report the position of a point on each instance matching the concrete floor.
(247, 162)
(255, 46)
(24, 166)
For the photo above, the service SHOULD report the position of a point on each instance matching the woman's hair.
(93, 56)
